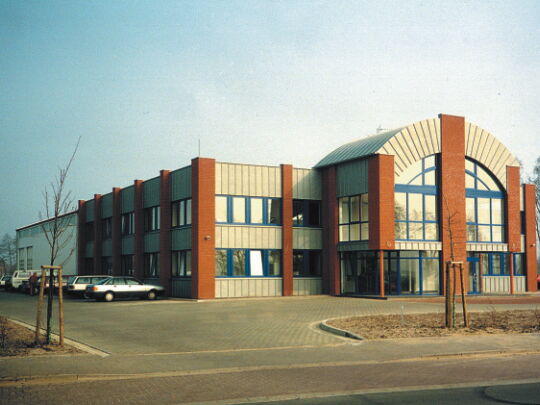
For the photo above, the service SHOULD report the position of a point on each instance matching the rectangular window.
(181, 213)
(239, 210)
(181, 263)
(151, 265)
(307, 213)
(106, 265)
(518, 265)
(221, 209)
(239, 262)
(256, 210)
(298, 213)
(256, 263)
(274, 263)
(89, 231)
(128, 223)
(306, 263)
(22, 259)
(151, 219)
(274, 211)
(106, 228)
(29, 259)
(353, 218)
(126, 264)
(221, 262)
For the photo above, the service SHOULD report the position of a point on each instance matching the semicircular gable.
(483, 147)
(413, 143)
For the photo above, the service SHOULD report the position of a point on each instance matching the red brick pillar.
(116, 232)
(81, 237)
(331, 271)
(512, 209)
(529, 197)
(381, 208)
(203, 228)
(97, 234)
(286, 230)
(165, 231)
(138, 248)
(452, 190)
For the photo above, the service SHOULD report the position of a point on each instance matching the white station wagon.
(122, 287)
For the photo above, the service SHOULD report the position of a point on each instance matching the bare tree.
(8, 252)
(535, 179)
(58, 202)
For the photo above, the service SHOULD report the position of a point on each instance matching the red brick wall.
(116, 232)
(381, 202)
(81, 237)
(97, 234)
(452, 188)
(138, 248)
(287, 231)
(331, 271)
(203, 186)
(529, 196)
(165, 231)
(512, 211)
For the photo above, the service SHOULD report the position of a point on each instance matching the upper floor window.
(151, 264)
(106, 228)
(181, 213)
(353, 218)
(128, 223)
(181, 263)
(151, 219)
(89, 231)
(248, 210)
(484, 205)
(415, 202)
(307, 213)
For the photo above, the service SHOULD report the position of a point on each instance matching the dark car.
(122, 287)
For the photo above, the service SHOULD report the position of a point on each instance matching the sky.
(265, 82)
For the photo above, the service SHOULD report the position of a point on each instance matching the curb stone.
(341, 332)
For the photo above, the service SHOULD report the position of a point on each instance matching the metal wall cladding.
(520, 283)
(151, 242)
(352, 246)
(248, 287)
(307, 184)
(107, 206)
(352, 178)
(106, 247)
(181, 287)
(487, 247)
(151, 192)
(89, 206)
(248, 180)
(418, 246)
(307, 286)
(180, 183)
(307, 238)
(181, 239)
(413, 143)
(128, 243)
(89, 249)
(248, 237)
(486, 149)
(127, 199)
(497, 284)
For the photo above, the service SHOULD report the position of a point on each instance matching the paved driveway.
(172, 326)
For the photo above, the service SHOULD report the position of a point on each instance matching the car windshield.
(71, 279)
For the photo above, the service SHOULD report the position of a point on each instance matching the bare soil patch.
(431, 325)
(16, 340)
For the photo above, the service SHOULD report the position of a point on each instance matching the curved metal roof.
(357, 149)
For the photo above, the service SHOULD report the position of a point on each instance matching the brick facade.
(531, 264)
(116, 232)
(331, 276)
(165, 231)
(138, 248)
(98, 237)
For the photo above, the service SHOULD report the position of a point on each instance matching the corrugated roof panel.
(357, 149)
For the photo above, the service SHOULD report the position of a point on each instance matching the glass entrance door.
(474, 275)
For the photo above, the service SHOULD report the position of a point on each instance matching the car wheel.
(108, 297)
(151, 295)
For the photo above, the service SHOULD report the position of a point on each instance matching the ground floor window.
(181, 263)
(360, 272)
(106, 265)
(306, 263)
(151, 264)
(248, 263)
(126, 265)
(405, 272)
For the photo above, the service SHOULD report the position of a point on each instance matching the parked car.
(122, 287)
(76, 285)
(19, 276)
(64, 283)
(5, 281)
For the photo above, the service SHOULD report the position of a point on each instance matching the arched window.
(485, 205)
(416, 202)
